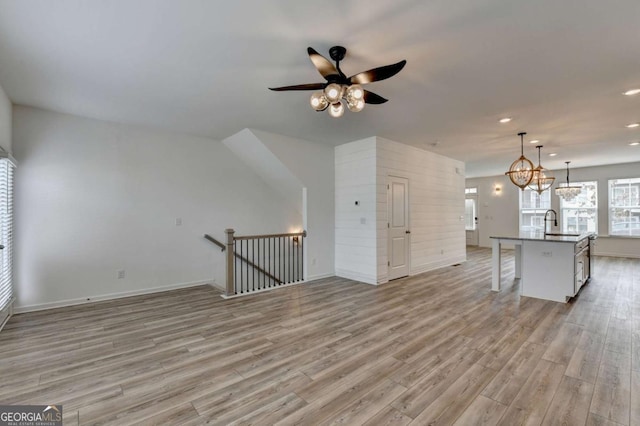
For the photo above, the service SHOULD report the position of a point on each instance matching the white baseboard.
(103, 297)
(319, 277)
(356, 276)
(262, 290)
(426, 267)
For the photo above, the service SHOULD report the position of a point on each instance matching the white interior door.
(399, 232)
(471, 219)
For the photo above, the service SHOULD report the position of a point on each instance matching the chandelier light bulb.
(336, 110)
(318, 101)
(333, 92)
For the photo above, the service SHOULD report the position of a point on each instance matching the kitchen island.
(549, 266)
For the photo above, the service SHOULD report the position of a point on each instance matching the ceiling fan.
(339, 87)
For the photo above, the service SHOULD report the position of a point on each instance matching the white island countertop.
(541, 236)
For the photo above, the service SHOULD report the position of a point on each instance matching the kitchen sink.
(551, 234)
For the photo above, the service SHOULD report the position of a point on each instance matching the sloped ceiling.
(203, 67)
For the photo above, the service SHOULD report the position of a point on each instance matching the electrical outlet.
(178, 221)
(121, 274)
(313, 261)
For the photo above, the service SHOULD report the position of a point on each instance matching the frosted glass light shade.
(333, 92)
(318, 101)
(336, 110)
(355, 92)
(355, 105)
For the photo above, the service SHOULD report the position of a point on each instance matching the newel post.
(229, 290)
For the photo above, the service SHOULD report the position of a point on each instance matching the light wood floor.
(438, 348)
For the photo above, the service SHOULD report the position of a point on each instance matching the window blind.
(7, 168)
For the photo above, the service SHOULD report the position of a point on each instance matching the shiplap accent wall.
(436, 204)
(355, 172)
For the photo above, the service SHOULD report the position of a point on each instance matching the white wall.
(94, 197)
(5, 121)
(498, 213)
(355, 225)
(436, 204)
(497, 210)
(313, 164)
(256, 155)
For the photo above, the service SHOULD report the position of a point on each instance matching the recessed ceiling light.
(632, 125)
(553, 154)
(505, 120)
(632, 92)
(634, 143)
(534, 141)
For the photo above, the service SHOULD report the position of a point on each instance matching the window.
(624, 207)
(470, 214)
(470, 208)
(532, 209)
(6, 236)
(581, 214)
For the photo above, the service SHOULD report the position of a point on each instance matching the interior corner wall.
(355, 211)
(499, 212)
(5, 121)
(313, 164)
(436, 206)
(95, 197)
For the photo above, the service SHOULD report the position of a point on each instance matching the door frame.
(408, 210)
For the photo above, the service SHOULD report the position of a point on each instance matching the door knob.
(407, 232)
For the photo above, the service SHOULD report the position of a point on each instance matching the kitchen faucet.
(555, 219)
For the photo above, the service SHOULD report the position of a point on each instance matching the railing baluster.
(275, 260)
(246, 267)
(289, 243)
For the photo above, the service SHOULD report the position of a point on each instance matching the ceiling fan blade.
(310, 86)
(324, 66)
(377, 74)
(372, 98)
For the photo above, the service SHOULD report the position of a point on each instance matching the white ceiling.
(558, 67)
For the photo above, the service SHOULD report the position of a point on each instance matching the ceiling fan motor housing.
(337, 53)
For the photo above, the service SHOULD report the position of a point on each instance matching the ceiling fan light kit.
(521, 171)
(340, 90)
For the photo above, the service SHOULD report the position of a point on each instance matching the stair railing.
(260, 262)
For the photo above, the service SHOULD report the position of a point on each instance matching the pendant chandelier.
(521, 170)
(568, 192)
(542, 178)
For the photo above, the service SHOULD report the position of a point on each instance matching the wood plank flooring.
(437, 348)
